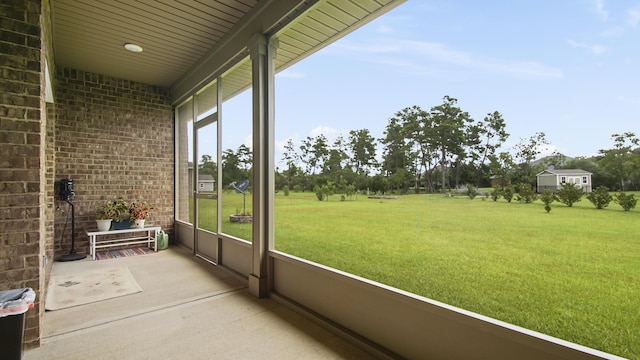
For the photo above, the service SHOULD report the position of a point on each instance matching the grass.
(573, 273)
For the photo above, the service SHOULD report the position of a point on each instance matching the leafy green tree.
(289, 156)
(626, 201)
(600, 197)
(398, 146)
(491, 131)
(399, 180)
(336, 165)
(320, 151)
(377, 183)
(245, 160)
(230, 167)
(501, 167)
(363, 150)
(570, 194)
(208, 166)
(423, 157)
(622, 161)
(306, 155)
(314, 153)
(447, 131)
(526, 152)
(395, 147)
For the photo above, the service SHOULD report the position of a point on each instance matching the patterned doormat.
(88, 287)
(113, 254)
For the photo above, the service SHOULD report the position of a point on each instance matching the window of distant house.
(563, 179)
(584, 179)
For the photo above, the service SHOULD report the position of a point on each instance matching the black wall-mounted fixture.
(66, 193)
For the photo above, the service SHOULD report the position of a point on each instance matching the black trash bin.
(13, 306)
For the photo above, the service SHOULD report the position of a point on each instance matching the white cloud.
(593, 49)
(598, 8)
(633, 16)
(422, 57)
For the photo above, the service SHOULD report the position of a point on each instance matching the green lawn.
(573, 273)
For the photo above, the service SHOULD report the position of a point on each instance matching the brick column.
(21, 154)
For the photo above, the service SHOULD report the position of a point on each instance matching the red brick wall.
(113, 137)
(22, 177)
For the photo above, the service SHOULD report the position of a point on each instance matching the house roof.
(564, 172)
(205, 177)
(185, 44)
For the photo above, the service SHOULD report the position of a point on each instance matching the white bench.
(132, 238)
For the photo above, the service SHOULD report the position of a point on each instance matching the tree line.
(430, 150)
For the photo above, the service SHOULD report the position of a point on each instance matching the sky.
(568, 68)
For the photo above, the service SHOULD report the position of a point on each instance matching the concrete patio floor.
(188, 309)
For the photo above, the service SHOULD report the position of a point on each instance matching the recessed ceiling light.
(133, 47)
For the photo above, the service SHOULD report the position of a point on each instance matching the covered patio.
(78, 104)
(188, 309)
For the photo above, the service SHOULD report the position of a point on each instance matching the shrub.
(547, 197)
(472, 192)
(507, 193)
(600, 197)
(570, 194)
(526, 193)
(496, 193)
(285, 189)
(324, 191)
(297, 188)
(627, 202)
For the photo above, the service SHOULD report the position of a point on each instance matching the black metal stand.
(72, 255)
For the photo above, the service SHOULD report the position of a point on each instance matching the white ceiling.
(178, 35)
(89, 35)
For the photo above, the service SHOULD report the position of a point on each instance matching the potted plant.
(139, 212)
(105, 214)
(121, 216)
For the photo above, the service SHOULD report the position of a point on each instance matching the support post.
(262, 52)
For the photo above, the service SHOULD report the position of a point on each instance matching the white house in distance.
(554, 179)
(206, 183)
